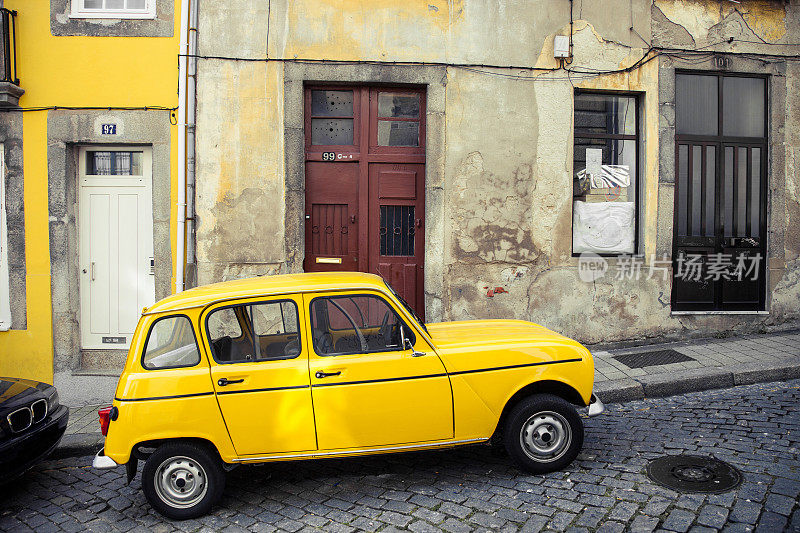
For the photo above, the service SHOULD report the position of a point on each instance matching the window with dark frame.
(606, 160)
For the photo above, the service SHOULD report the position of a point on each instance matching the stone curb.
(614, 391)
(673, 383)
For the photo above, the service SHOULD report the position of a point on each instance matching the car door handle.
(225, 381)
(321, 375)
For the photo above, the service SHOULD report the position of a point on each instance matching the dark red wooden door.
(331, 217)
(365, 184)
(396, 207)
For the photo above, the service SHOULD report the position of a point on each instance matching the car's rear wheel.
(182, 480)
(543, 433)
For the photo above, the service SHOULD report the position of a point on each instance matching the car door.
(259, 369)
(368, 390)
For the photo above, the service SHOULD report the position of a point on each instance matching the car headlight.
(52, 399)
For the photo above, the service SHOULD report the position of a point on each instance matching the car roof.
(266, 286)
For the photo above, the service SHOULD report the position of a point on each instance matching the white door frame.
(113, 334)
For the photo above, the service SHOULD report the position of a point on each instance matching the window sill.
(113, 16)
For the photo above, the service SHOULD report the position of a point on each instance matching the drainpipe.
(191, 111)
(180, 237)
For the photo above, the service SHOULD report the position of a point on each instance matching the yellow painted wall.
(72, 71)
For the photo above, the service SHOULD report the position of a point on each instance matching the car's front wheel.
(543, 433)
(182, 480)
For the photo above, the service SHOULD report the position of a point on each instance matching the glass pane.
(115, 4)
(398, 105)
(614, 179)
(224, 323)
(711, 181)
(332, 103)
(354, 324)
(170, 344)
(743, 106)
(696, 104)
(741, 192)
(397, 230)
(114, 163)
(332, 131)
(697, 182)
(136, 4)
(755, 192)
(683, 187)
(397, 133)
(275, 326)
(92, 4)
(600, 113)
(728, 191)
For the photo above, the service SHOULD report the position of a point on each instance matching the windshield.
(408, 307)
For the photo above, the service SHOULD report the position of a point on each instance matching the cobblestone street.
(754, 427)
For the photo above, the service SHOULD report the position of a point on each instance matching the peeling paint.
(765, 19)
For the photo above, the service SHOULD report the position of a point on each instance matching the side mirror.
(407, 344)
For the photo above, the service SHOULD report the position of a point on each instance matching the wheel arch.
(139, 450)
(556, 388)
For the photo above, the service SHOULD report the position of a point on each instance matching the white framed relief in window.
(113, 9)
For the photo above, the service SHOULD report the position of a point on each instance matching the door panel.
(379, 398)
(331, 216)
(350, 206)
(266, 402)
(396, 226)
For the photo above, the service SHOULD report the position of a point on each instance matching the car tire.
(543, 433)
(182, 480)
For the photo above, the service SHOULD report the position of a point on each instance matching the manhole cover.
(693, 473)
(653, 358)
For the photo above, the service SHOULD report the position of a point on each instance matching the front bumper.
(20, 453)
(596, 407)
(103, 462)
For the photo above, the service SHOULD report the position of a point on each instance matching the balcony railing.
(9, 41)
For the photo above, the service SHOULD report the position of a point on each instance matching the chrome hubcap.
(545, 436)
(181, 482)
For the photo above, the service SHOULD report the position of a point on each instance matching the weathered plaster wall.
(499, 192)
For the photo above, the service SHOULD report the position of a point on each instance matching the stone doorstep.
(610, 391)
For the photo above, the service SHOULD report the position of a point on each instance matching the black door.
(719, 245)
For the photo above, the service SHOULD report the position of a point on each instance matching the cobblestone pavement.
(755, 427)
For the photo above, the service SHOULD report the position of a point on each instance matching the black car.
(31, 424)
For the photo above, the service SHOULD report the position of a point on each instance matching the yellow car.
(306, 366)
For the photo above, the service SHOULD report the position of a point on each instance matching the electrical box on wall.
(561, 46)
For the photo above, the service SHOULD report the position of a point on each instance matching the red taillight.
(105, 419)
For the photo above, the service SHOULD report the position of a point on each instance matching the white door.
(115, 210)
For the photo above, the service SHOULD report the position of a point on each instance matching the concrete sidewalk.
(706, 364)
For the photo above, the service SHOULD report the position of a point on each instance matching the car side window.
(170, 344)
(356, 324)
(254, 332)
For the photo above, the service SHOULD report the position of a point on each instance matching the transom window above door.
(136, 9)
(113, 163)
(391, 120)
